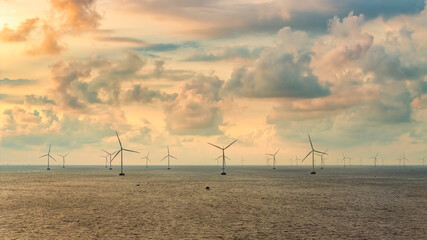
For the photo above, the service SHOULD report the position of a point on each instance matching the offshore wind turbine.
(344, 158)
(63, 159)
(223, 155)
(322, 160)
(121, 154)
(109, 154)
(274, 158)
(169, 156)
(375, 159)
(147, 159)
(404, 159)
(312, 152)
(424, 158)
(48, 158)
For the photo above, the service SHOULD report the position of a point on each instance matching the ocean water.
(90, 202)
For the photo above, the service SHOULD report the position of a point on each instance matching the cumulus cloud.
(14, 82)
(145, 95)
(38, 100)
(77, 15)
(196, 110)
(226, 53)
(21, 33)
(50, 45)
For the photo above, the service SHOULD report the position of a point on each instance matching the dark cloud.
(38, 100)
(226, 53)
(196, 109)
(167, 47)
(145, 95)
(276, 75)
(14, 82)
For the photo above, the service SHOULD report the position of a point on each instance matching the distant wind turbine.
(375, 159)
(274, 158)
(344, 158)
(147, 159)
(424, 158)
(109, 154)
(404, 159)
(48, 158)
(223, 155)
(169, 156)
(121, 154)
(322, 160)
(63, 159)
(243, 162)
(296, 160)
(312, 152)
(106, 160)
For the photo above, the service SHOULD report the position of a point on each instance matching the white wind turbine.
(48, 158)
(375, 159)
(147, 159)
(109, 154)
(106, 160)
(121, 155)
(404, 159)
(169, 156)
(274, 158)
(322, 160)
(344, 158)
(312, 152)
(63, 159)
(223, 155)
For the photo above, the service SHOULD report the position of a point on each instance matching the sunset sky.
(352, 74)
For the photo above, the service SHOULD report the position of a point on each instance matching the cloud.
(76, 15)
(14, 82)
(196, 110)
(226, 53)
(166, 47)
(38, 100)
(127, 40)
(278, 73)
(21, 33)
(50, 44)
(145, 95)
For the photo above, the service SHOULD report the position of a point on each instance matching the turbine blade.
(130, 150)
(168, 150)
(49, 148)
(52, 157)
(307, 155)
(172, 156)
(269, 154)
(228, 158)
(43, 156)
(277, 152)
(164, 158)
(119, 140)
(230, 144)
(116, 154)
(106, 152)
(215, 146)
(309, 138)
(320, 152)
(67, 154)
(218, 157)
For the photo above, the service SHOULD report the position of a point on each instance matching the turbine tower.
(169, 156)
(147, 159)
(312, 152)
(48, 158)
(223, 155)
(274, 158)
(63, 159)
(375, 159)
(121, 154)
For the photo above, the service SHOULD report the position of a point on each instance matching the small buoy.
(208, 188)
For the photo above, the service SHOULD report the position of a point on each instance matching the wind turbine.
(169, 156)
(106, 160)
(344, 158)
(63, 159)
(121, 155)
(424, 158)
(296, 160)
(243, 162)
(274, 158)
(267, 161)
(375, 159)
(48, 158)
(404, 159)
(312, 153)
(223, 155)
(109, 154)
(322, 160)
(147, 159)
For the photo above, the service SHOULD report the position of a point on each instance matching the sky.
(352, 74)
